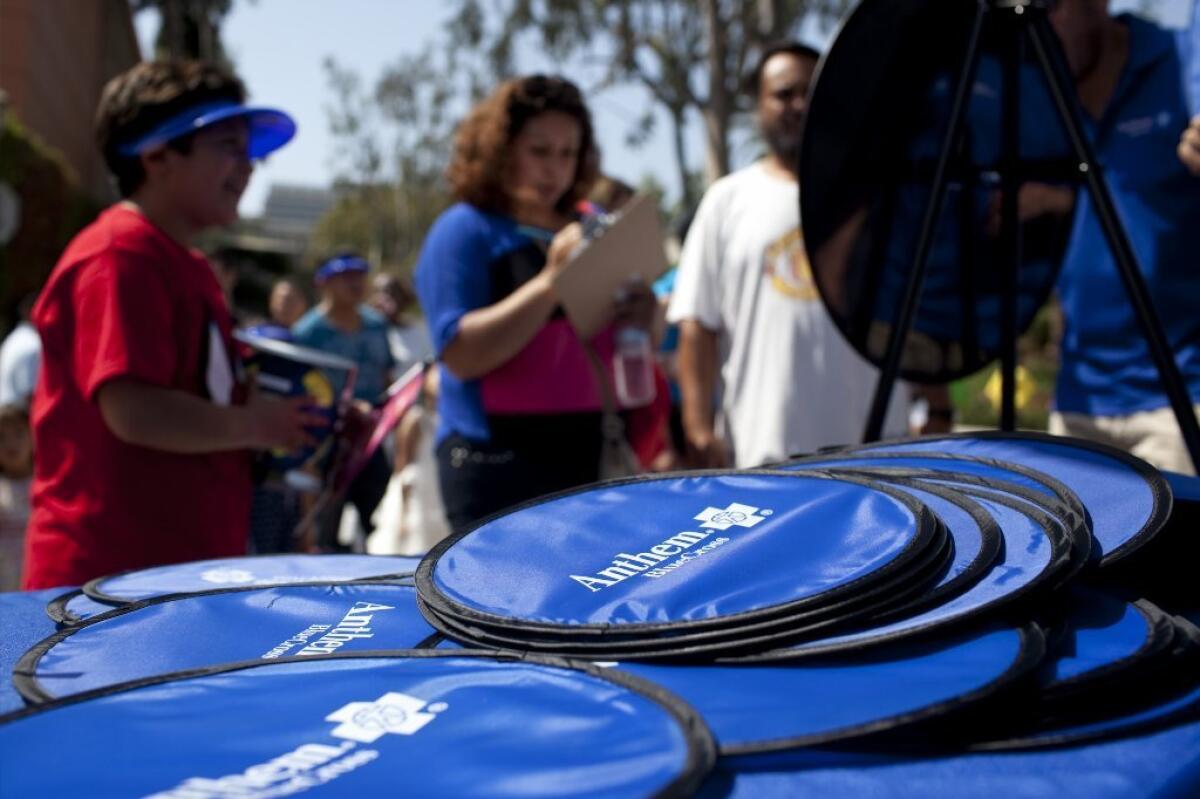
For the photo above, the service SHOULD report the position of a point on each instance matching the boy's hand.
(282, 422)
(706, 450)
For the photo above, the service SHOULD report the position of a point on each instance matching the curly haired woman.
(520, 406)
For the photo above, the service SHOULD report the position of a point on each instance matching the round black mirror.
(876, 125)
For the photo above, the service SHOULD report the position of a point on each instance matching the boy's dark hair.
(797, 49)
(136, 101)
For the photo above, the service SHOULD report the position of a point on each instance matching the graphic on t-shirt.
(786, 263)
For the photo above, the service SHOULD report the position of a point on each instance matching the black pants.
(527, 456)
(364, 493)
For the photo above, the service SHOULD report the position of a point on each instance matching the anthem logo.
(684, 547)
(735, 514)
(227, 576)
(395, 713)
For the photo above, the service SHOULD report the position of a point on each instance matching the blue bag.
(190, 631)
(251, 570)
(422, 723)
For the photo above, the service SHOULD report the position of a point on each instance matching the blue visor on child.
(268, 128)
(341, 265)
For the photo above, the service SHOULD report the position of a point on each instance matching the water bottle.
(633, 365)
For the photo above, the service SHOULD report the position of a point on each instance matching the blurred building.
(55, 57)
(292, 211)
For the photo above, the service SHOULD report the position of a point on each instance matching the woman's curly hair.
(479, 160)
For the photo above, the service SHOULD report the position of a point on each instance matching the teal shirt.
(367, 347)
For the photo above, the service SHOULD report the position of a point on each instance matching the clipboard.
(631, 245)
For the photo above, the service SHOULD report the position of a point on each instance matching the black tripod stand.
(1027, 25)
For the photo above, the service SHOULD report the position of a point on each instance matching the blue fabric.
(1183, 486)
(1191, 47)
(83, 607)
(203, 630)
(1102, 631)
(1105, 367)
(367, 347)
(1118, 499)
(726, 544)
(1030, 557)
(205, 575)
(1161, 764)
(453, 277)
(1165, 765)
(432, 726)
(23, 622)
(747, 706)
(874, 458)
(756, 705)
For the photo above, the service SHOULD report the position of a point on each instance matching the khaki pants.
(1152, 436)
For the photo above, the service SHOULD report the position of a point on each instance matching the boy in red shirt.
(141, 428)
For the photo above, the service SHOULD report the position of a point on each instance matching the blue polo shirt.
(1106, 368)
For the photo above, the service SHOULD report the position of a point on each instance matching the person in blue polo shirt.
(1132, 80)
(342, 325)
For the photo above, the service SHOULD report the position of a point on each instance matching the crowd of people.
(122, 393)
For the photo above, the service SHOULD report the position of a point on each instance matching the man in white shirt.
(20, 357)
(751, 320)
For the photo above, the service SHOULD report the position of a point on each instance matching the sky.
(278, 47)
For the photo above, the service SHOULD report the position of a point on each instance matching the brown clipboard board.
(632, 245)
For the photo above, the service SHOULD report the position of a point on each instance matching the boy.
(140, 427)
(342, 325)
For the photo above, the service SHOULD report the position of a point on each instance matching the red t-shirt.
(126, 300)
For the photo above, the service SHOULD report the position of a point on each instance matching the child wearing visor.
(142, 426)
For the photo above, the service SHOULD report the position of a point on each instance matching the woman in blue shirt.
(520, 406)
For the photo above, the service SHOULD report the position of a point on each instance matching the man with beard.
(748, 308)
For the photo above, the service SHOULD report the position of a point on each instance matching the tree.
(691, 56)
(189, 28)
(386, 208)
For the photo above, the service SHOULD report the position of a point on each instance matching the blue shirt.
(453, 278)
(368, 347)
(1106, 368)
(473, 259)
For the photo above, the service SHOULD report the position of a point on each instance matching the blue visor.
(268, 128)
(341, 265)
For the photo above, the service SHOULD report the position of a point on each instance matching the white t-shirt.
(409, 344)
(790, 382)
(20, 357)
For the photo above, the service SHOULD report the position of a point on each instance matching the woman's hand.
(562, 247)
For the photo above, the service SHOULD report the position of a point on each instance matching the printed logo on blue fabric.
(227, 576)
(399, 714)
(735, 513)
(654, 563)
(313, 764)
(354, 626)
